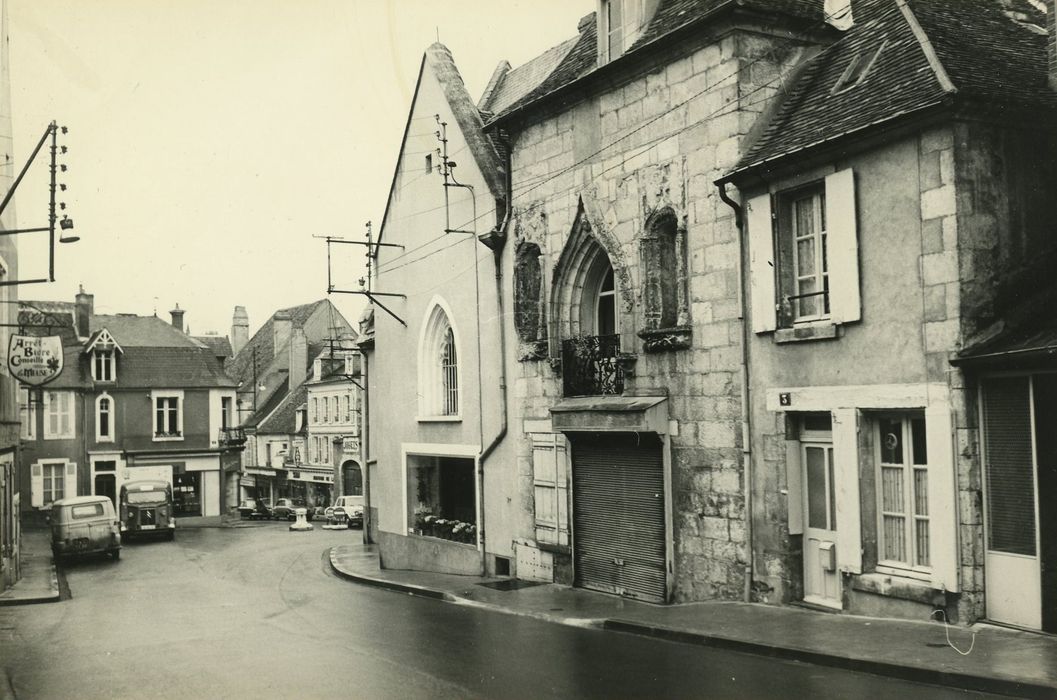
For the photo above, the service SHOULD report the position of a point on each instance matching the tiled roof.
(671, 15)
(219, 344)
(977, 52)
(265, 408)
(170, 368)
(283, 418)
(241, 365)
(517, 83)
(130, 331)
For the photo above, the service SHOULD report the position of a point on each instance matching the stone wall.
(658, 141)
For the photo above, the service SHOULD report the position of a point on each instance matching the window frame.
(790, 274)
(70, 416)
(631, 21)
(45, 468)
(440, 390)
(909, 568)
(110, 412)
(104, 362)
(27, 413)
(156, 397)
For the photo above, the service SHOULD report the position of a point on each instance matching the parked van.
(146, 507)
(84, 525)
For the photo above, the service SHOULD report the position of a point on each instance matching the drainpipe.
(746, 413)
(365, 443)
(497, 252)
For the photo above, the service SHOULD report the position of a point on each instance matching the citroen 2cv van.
(84, 525)
(146, 508)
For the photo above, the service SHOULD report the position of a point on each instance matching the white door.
(822, 583)
(1012, 577)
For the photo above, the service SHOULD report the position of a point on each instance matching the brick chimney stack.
(240, 329)
(177, 315)
(85, 305)
(298, 357)
(281, 327)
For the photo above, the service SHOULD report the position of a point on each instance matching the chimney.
(838, 14)
(240, 329)
(281, 325)
(85, 308)
(1051, 41)
(298, 357)
(177, 315)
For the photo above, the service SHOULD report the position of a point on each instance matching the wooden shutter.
(942, 485)
(36, 486)
(69, 481)
(550, 488)
(846, 483)
(761, 264)
(842, 247)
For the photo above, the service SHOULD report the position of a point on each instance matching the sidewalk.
(1001, 661)
(39, 582)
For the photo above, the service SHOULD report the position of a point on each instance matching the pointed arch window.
(439, 396)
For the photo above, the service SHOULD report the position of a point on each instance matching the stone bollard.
(301, 524)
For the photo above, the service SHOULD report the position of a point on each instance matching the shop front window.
(443, 490)
(187, 498)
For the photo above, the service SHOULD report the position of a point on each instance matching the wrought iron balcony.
(592, 366)
(232, 436)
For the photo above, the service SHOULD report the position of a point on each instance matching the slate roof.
(218, 344)
(936, 53)
(515, 84)
(241, 365)
(155, 354)
(1031, 343)
(131, 331)
(283, 418)
(671, 16)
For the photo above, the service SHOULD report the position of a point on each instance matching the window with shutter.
(804, 255)
(58, 415)
(550, 488)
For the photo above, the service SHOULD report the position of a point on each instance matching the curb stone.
(948, 679)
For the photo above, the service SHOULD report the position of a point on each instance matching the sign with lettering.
(35, 360)
(350, 445)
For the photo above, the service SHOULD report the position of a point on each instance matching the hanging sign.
(35, 360)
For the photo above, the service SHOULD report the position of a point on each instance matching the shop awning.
(635, 414)
(1029, 347)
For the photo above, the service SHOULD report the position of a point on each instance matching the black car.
(253, 509)
(287, 507)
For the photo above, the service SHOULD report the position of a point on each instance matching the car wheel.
(172, 535)
(116, 554)
(348, 524)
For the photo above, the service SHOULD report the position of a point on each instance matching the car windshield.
(86, 510)
(140, 497)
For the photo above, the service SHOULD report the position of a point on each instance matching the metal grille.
(1010, 473)
(590, 367)
(450, 376)
(618, 515)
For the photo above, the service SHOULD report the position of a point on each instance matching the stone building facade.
(625, 283)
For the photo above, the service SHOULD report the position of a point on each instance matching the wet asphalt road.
(257, 613)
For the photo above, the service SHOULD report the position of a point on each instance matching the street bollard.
(301, 524)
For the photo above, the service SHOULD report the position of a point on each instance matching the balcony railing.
(591, 366)
(232, 436)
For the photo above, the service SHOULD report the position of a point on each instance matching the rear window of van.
(86, 510)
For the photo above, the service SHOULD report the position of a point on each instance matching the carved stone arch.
(588, 254)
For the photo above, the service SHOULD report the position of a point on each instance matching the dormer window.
(103, 369)
(621, 24)
(102, 352)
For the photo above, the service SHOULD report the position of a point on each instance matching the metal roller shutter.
(1010, 469)
(618, 514)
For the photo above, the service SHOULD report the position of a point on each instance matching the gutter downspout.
(746, 413)
(365, 443)
(497, 253)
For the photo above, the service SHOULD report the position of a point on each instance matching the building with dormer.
(137, 399)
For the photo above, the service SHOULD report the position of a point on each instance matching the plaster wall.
(454, 270)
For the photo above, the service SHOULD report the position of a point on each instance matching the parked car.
(353, 506)
(286, 507)
(146, 509)
(84, 525)
(253, 509)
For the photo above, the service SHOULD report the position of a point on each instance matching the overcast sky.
(209, 140)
